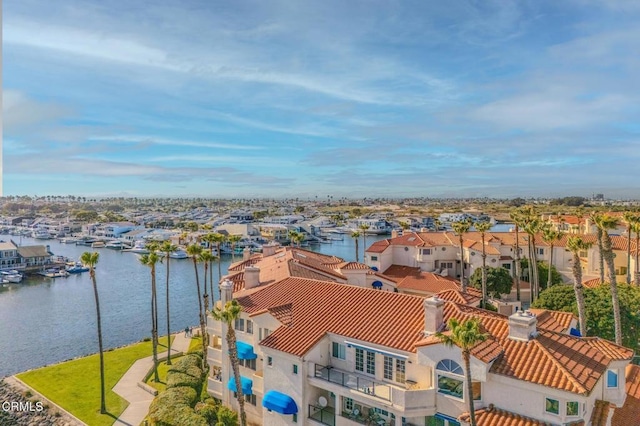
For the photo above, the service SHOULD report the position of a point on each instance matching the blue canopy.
(245, 351)
(574, 332)
(374, 268)
(279, 402)
(247, 385)
(377, 284)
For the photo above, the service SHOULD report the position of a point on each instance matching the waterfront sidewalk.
(138, 398)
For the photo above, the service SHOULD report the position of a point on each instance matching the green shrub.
(208, 410)
(183, 364)
(173, 407)
(227, 417)
(177, 379)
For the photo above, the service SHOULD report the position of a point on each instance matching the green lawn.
(195, 344)
(75, 385)
(162, 372)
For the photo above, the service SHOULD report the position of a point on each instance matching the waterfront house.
(9, 258)
(34, 256)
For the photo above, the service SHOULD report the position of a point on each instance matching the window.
(239, 324)
(359, 359)
(270, 361)
(583, 253)
(249, 326)
(506, 266)
(263, 333)
(476, 389)
(388, 367)
(541, 251)
(371, 362)
(426, 252)
(450, 378)
(374, 258)
(400, 369)
(348, 404)
(295, 418)
(552, 406)
(572, 408)
(295, 368)
(339, 351)
(249, 363)
(612, 379)
(251, 399)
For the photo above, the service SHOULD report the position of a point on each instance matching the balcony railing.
(353, 381)
(324, 415)
(366, 418)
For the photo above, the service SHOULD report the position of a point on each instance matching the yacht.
(115, 245)
(77, 268)
(41, 234)
(139, 247)
(178, 254)
(11, 276)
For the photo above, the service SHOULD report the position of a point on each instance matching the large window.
(612, 379)
(552, 406)
(450, 378)
(239, 324)
(388, 367)
(359, 359)
(249, 326)
(371, 363)
(339, 350)
(573, 408)
(347, 404)
(400, 371)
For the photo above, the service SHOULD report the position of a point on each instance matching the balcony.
(214, 355)
(214, 327)
(324, 415)
(214, 387)
(258, 385)
(366, 416)
(359, 383)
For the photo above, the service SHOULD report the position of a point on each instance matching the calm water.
(45, 320)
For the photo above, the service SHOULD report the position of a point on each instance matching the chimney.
(269, 249)
(523, 326)
(226, 290)
(251, 277)
(246, 253)
(394, 233)
(433, 315)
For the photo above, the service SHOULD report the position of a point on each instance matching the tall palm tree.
(483, 227)
(576, 245)
(150, 260)
(531, 225)
(364, 227)
(550, 236)
(206, 258)
(595, 217)
(635, 227)
(167, 248)
(234, 239)
(606, 222)
(210, 240)
(90, 260)
(629, 218)
(218, 239)
(355, 235)
(515, 216)
(194, 251)
(465, 335)
(228, 315)
(460, 228)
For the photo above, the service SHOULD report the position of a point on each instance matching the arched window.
(450, 378)
(450, 366)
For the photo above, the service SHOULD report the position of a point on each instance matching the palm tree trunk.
(103, 406)
(517, 265)
(154, 325)
(484, 275)
(357, 254)
(637, 266)
(235, 366)
(466, 356)
(534, 267)
(202, 330)
(629, 254)
(608, 254)
(219, 268)
(601, 255)
(578, 288)
(168, 318)
(463, 283)
(550, 266)
(364, 246)
(205, 301)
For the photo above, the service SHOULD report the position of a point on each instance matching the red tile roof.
(629, 413)
(554, 320)
(493, 416)
(600, 413)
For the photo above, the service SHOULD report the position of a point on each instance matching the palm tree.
(355, 235)
(234, 239)
(150, 260)
(206, 258)
(606, 222)
(460, 228)
(531, 225)
(364, 227)
(595, 216)
(90, 260)
(194, 251)
(515, 216)
(576, 245)
(218, 239)
(228, 315)
(465, 335)
(167, 248)
(483, 227)
(635, 227)
(629, 218)
(550, 236)
(210, 240)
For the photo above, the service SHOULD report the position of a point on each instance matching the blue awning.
(377, 284)
(574, 332)
(247, 385)
(374, 268)
(279, 402)
(245, 351)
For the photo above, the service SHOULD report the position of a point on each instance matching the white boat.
(41, 234)
(178, 254)
(115, 245)
(68, 240)
(98, 244)
(54, 273)
(139, 247)
(11, 276)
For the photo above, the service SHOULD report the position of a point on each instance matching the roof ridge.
(559, 365)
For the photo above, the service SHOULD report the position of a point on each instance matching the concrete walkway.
(138, 398)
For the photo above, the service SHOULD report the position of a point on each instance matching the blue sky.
(288, 98)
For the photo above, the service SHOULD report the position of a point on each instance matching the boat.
(178, 254)
(54, 273)
(139, 247)
(41, 234)
(115, 245)
(77, 268)
(98, 244)
(68, 240)
(11, 276)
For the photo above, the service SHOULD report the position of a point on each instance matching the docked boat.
(41, 234)
(115, 245)
(139, 247)
(68, 240)
(11, 276)
(77, 268)
(178, 254)
(54, 273)
(98, 244)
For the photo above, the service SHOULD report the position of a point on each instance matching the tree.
(497, 281)
(218, 239)
(460, 228)
(150, 260)
(629, 218)
(295, 237)
(606, 222)
(228, 315)
(550, 236)
(465, 335)
(364, 227)
(576, 245)
(515, 216)
(595, 217)
(531, 225)
(543, 270)
(167, 248)
(90, 260)
(206, 258)
(355, 235)
(234, 239)
(194, 251)
(635, 227)
(483, 227)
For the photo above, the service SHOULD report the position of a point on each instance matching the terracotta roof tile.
(457, 296)
(554, 320)
(352, 266)
(610, 349)
(428, 282)
(401, 271)
(493, 416)
(592, 283)
(600, 413)
(629, 413)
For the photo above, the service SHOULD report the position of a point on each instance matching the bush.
(208, 410)
(184, 363)
(226, 417)
(176, 379)
(173, 407)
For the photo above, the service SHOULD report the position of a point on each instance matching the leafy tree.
(543, 270)
(499, 281)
